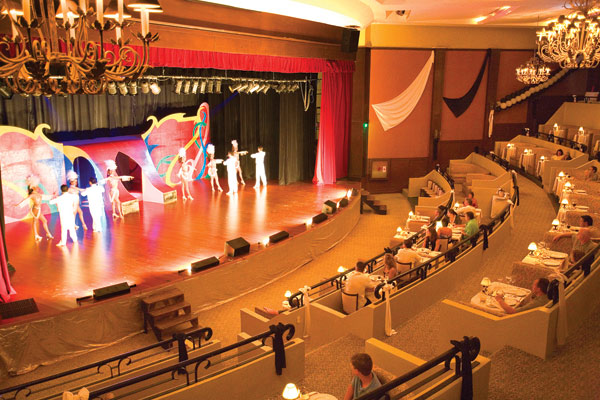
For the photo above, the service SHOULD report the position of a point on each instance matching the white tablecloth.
(513, 296)
(559, 183)
(499, 204)
(550, 259)
(527, 162)
(541, 166)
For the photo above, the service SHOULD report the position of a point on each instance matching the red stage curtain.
(5, 288)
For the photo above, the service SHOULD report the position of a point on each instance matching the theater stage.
(149, 247)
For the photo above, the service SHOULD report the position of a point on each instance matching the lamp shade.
(561, 174)
(399, 230)
(555, 222)
(288, 294)
(532, 246)
(564, 202)
(456, 205)
(341, 269)
(291, 392)
(411, 214)
(144, 4)
(542, 158)
(568, 184)
(112, 12)
(486, 282)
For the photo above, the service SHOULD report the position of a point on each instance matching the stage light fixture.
(123, 88)
(111, 88)
(329, 207)
(111, 291)
(186, 88)
(281, 87)
(266, 88)
(145, 87)
(254, 87)
(236, 247)
(317, 219)
(235, 87)
(133, 89)
(294, 87)
(278, 237)
(155, 88)
(195, 87)
(243, 88)
(211, 84)
(178, 86)
(5, 92)
(218, 87)
(203, 86)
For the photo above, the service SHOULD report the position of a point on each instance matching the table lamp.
(456, 205)
(581, 130)
(555, 224)
(291, 392)
(411, 214)
(561, 174)
(288, 294)
(542, 158)
(399, 230)
(532, 247)
(485, 284)
(568, 185)
(564, 203)
(341, 269)
(555, 127)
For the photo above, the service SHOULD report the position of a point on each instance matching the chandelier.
(573, 41)
(533, 72)
(53, 52)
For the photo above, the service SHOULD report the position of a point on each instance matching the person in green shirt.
(471, 228)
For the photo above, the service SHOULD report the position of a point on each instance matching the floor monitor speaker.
(278, 237)
(111, 291)
(205, 264)
(329, 207)
(237, 247)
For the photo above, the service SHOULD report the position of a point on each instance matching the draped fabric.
(392, 112)
(562, 325)
(6, 289)
(304, 290)
(459, 105)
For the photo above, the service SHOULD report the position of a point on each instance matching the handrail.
(571, 143)
(296, 300)
(275, 332)
(463, 353)
(202, 333)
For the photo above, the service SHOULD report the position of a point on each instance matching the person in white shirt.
(259, 157)
(406, 257)
(231, 164)
(95, 203)
(359, 283)
(66, 212)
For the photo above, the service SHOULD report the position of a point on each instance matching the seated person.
(585, 221)
(582, 242)
(591, 174)
(539, 297)
(443, 233)
(472, 227)
(406, 257)
(359, 283)
(441, 210)
(471, 196)
(453, 217)
(390, 269)
(431, 238)
(468, 206)
(363, 380)
(560, 155)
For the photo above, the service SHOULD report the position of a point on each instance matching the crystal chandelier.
(52, 52)
(573, 40)
(533, 72)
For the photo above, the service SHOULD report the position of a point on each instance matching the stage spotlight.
(203, 86)
(178, 86)
(236, 247)
(195, 87)
(123, 88)
(254, 87)
(209, 89)
(5, 92)
(133, 89)
(294, 87)
(266, 88)
(235, 87)
(155, 88)
(111, 88)
(145, 87)
(186, 88)
(243, 88)
(281, 87)
(218, 87)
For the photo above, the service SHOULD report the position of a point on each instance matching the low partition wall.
(533, 331)
(322, 321)
(415, 185)
(25, 346)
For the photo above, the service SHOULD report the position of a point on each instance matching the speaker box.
(111, 291)
(236, 247)
(278, 237)
(329, 207)
(317, 219)
(205, 264)
(17, 308)
(344, 202)
(350, 40)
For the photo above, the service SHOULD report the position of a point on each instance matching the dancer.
(112, 178)
(185, 174)
(212, 167)
(237, 154)
(96, 203)
(259, 157)
(74, 190)
(66, 212)
(231, 165)
(35, 198)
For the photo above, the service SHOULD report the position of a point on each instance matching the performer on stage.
(74, 190)
(212, 167)
(237, 154)
(113, 183)
(66, 212)
(185, 174)
(231, 164)
(35, 198)
(96, 203)
(259, 157)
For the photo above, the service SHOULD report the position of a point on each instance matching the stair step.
(170, 294)
(370, 198)
(376, 203)
(167, 323)
(159, 312)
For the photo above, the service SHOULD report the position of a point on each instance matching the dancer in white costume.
(212, 167)
(237, 154)
(259, 158)
(96, 203)
(185, 174)
(113, 183)
(66, 211)
(34, 198)
(72, 178)
(231, 165)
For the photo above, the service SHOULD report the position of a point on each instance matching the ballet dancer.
(95, 203)
(35, 198)
(259, 158)
(74, 190)
(231, 165)
(185, 174)
(113, 179)
(66, 213)
(212, 167)
(237, 154)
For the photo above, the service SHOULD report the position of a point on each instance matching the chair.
(386, 377)
(349, 302)
(443, 245)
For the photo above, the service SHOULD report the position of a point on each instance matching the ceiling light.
(178, 86)
(195, 87)
(533, 72)
(186, 88)
(155, 88)
(145, 87)
(123, 88)
(112, 88)
(218, 87)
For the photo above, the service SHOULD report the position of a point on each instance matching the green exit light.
(365, 125)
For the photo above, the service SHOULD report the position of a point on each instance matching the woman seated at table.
(471, 196)
(560, 155)
(390, 269)
(539, 297)
(444, 233)
(453, 217)
(431, 238)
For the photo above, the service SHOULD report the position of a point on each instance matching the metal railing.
(562, 141)
(463, 353)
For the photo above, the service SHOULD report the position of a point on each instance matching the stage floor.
(149, 247)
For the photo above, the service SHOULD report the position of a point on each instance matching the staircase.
(167, 313)
(376, 205)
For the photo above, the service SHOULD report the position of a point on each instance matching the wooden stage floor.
(149, 247)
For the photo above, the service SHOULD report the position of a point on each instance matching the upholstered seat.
(349, 302)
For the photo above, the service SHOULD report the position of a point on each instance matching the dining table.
(415, 223)
(556, 260)
(400, 236)
(513, 296)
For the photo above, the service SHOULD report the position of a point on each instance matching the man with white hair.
(582, 244)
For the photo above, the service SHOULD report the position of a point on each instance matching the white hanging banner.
(387, 288)
(391, 113)
(491, 122)
(562, 326)
(304, 292)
